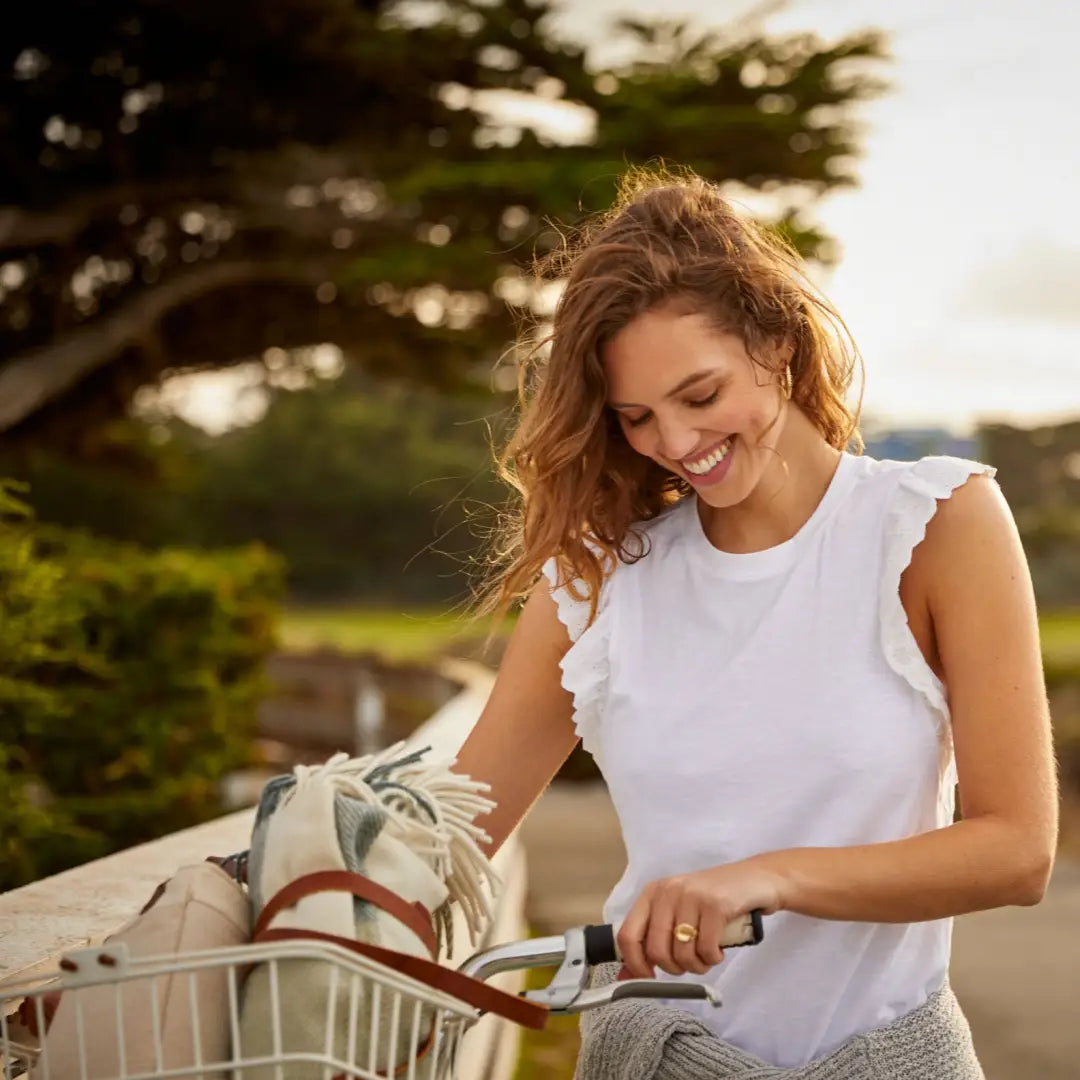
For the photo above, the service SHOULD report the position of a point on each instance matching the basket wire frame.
(376, 1025)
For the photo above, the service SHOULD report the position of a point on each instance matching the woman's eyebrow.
(690, 380)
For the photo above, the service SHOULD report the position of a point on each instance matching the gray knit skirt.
(649, 1040)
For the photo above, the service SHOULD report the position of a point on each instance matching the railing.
(41, 921)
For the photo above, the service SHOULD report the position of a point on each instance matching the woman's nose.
(676, 440)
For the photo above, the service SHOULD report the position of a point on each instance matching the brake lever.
(629, 989)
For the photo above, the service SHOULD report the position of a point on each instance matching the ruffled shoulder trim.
(585, 667)
(912, 506)
(573, 613)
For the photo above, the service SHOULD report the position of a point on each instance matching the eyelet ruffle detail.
(585, 667)
(913, 505)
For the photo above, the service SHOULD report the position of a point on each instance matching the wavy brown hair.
(581, 486)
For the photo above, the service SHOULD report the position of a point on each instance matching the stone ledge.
(41, 921)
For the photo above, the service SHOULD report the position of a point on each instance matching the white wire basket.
(291, 1010)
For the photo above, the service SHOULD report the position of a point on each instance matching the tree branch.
(63, 224)
(262, 199)
(40, 375)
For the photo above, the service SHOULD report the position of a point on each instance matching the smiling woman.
(785, 656)
(684, 326)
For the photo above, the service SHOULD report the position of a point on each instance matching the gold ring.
(685, 932)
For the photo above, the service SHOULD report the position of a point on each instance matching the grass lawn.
(413, 634)
(1061, 637)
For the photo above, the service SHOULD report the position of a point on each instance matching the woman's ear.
(783, 352)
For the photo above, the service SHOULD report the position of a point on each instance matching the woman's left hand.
(707, 900)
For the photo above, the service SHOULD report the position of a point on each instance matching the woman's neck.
(792, 485)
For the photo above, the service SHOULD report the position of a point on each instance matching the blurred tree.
(368, 488)
(183, 185)
(1039, 472)
(379, 493)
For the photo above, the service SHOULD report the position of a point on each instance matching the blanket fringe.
(431, 809)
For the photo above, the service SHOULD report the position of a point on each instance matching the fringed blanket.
(405, 824)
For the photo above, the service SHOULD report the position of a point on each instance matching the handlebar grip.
(601, 946)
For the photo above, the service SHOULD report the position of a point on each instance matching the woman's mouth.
(711, 467)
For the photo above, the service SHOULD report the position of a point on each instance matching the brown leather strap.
(463, 987)
(415, 916)
(236, 866)
(28, 1013)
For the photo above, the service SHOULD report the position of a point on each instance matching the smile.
(705, 464)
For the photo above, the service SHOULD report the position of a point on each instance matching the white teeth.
(699, 468)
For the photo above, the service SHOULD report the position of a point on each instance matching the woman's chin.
(731, 489)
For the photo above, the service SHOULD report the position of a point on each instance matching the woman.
(782, 655)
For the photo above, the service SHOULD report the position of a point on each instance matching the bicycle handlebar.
(582, 947)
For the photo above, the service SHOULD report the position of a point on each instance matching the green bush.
(128, 685)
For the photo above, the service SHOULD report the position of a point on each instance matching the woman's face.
(691, 399)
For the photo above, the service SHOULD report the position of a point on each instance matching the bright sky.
(960, 276)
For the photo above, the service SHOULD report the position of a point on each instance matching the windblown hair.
(582, 487)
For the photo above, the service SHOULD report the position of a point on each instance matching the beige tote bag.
(201, 907)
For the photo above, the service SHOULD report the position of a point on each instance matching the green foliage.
(1037, 470)
(128, 683)
(354, 489)
(1060, 634)
(33, 618)
(1051, 539)
(373, 492)
(186, 184)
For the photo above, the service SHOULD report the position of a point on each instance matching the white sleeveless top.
(741, 703)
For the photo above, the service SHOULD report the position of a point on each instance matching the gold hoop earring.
(786, 384)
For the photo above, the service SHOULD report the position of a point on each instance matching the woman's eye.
(636, 421)
(700, 403)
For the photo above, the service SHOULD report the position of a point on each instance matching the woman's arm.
(977, 586)
(526, 730)
(987, 634)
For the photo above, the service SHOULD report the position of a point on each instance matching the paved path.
(1015, 970)
(1017, 974)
